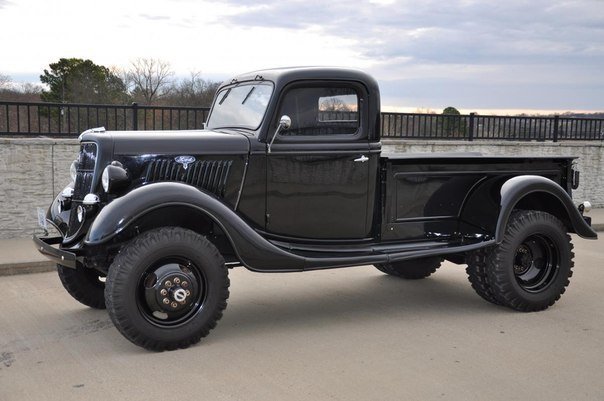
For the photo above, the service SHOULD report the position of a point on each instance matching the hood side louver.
(211, 175)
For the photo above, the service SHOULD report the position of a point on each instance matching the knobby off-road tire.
(84, 285)
(167, 289)
(477, 274)
(411, 269)
(531, 268)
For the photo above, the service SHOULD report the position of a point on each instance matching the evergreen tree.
(73, 80)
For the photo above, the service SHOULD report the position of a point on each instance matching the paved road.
(350, 334)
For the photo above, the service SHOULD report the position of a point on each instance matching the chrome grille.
(85, 165)
(211, 175)
(85, 170)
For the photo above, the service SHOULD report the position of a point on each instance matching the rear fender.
(515, 190)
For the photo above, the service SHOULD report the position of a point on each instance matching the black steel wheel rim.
(171, 292)
(536, 263)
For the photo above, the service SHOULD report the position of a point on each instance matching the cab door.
(320, 174)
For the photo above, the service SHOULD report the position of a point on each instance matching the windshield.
(241, 106)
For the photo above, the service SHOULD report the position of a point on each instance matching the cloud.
(446, 32)
(154, 17)
(471, 51)
(474, 49)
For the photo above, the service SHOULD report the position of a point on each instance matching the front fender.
(253, 250)
(514, 189)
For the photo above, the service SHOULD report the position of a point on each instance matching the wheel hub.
(535, 263)
(173, 291)
(180, 295)
(171, 288)
(523, 260)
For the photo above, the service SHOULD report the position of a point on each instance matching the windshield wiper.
(248, 94)
(224, 97)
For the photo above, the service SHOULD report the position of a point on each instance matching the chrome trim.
(243, 178)
(585, 207)
(91, 199)
(67, 192)
(284, 123)
(73, 170)
(185, 160)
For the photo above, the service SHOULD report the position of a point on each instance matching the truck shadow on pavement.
(361, 301)
(279, 304)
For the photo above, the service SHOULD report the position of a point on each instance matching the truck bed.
(451, 195)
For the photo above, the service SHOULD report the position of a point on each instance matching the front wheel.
(85, 285)
(167, 289)
(530, 269)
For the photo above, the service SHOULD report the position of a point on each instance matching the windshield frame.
(226, 91)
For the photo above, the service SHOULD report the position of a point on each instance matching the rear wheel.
(85, 285)
(411, 269)
(477, 275)
(167, 289)
(530, 269)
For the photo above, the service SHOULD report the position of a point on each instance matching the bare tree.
(18, 92)
(149, 79)
(334, 104)
(194, 91)
(4, 81)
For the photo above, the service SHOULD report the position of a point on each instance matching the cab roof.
(286, 75)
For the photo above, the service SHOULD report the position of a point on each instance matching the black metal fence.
(69, 120)
(475, 127)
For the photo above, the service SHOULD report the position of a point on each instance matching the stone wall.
(33, 171)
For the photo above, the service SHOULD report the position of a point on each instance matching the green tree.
(73, 80)
(453, 125)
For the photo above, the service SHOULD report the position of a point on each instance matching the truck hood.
(179, 142)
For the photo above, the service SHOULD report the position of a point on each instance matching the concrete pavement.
(19, 256)
(346, 334)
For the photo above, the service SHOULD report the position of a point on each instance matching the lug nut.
(176, 280)
(168, 284)
(174, 305)
(188, 293)
(166, 301)
(164, 292)
(185, 284)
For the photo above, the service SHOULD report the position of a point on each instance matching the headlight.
(81, 213)
(73, 170)
(105, 179)
(114, 177)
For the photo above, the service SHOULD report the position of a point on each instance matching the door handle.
(362, 159)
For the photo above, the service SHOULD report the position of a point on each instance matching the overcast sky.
(470, 54)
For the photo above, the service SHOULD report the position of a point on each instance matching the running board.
(327, 257)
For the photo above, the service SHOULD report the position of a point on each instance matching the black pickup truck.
(289, 176)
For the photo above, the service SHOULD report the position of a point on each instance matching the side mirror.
(284, 123)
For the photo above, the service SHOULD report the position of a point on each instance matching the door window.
(321, 111)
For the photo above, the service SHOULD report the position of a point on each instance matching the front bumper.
(46, 248)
